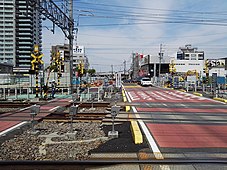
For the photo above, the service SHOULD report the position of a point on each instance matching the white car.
(145, 81)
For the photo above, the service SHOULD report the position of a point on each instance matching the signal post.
(36, 64)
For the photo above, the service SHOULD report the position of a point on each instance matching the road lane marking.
(54, 108)
(12, 128)
(26, 108)
(150, 139)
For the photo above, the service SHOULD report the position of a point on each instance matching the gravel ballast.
(51, 143)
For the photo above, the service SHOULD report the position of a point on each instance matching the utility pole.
(160, 61)
(112, 71)
(70, 37)
(124, 69)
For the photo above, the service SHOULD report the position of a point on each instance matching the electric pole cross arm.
(50, 10)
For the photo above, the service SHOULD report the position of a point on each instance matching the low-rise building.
(188, 58)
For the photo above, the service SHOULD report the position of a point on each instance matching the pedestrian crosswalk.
(163, 95)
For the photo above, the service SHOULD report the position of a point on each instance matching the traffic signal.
(172, 68)
(62, 68)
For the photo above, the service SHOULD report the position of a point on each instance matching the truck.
(145, 81)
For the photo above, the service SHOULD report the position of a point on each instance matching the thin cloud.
(111, 45)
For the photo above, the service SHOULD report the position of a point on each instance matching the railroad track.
(64, 117)
(14, 105)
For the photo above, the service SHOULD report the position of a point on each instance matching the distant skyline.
(112, 30)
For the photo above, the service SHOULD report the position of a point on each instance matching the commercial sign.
(78, 50)
(216, 63)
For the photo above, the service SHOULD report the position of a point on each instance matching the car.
(145, 81)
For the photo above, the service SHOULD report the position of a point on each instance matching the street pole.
(160, 62)
(149, 66)
(70, 37)
(124, 69)
(112, 70)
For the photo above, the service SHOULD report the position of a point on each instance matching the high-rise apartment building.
(7, 31)
(20, 30)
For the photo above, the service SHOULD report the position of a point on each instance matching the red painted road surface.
(11, 119)
(184, 110)
(180, 135)
(167, 96)
(7, 124)
(189, 135)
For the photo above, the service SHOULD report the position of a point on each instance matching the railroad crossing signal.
(36, 58)
(36, 62)
(206, 67)
(172, 68)
(81, 69)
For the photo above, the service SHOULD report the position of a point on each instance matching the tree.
(91, 72)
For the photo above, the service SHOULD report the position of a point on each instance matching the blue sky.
(112, 30)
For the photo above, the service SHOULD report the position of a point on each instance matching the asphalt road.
(180, 125)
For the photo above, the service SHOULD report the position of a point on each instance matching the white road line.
(151, 141)
(12, 128)
(54, 108)
(26, 108)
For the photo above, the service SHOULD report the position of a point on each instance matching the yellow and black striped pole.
(36, 81)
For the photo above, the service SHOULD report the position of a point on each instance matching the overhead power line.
(153, 9)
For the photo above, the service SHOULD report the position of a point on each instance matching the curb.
(197, 94)
(127, 108)
(182, 90)
(220, 99)
(137, 135)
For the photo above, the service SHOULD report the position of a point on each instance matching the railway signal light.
(62, 68)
